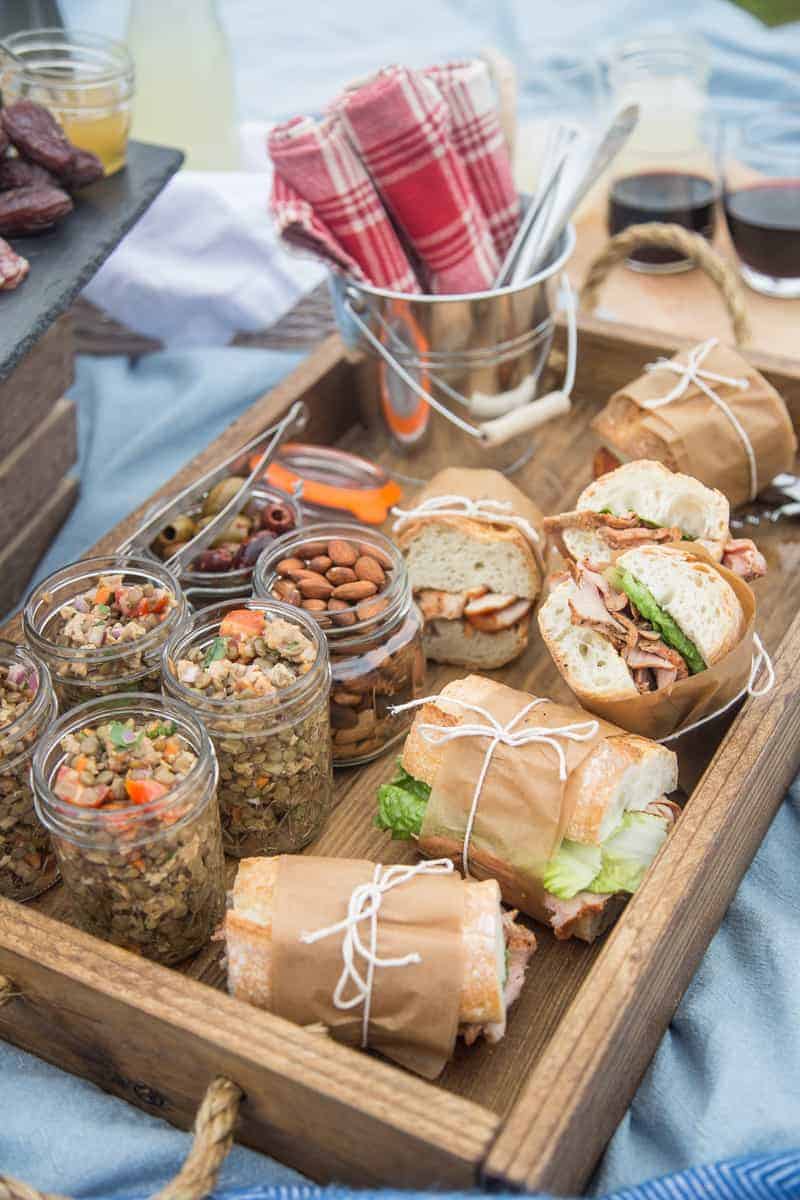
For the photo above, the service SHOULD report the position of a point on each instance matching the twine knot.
(365, 905)
(498, 734)
(491, 512)
(691, 373)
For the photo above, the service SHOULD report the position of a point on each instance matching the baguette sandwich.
(643, 502)
(657, 615)
(494, 950)
(619, 817)
(474, 580)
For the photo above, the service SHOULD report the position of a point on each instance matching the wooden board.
(536, 1110)
(681, 304)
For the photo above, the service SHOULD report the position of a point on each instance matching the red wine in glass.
(676, 197)
(764, 224)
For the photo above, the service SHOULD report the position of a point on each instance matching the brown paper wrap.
(697, 436)
(660, 714)
(414, 1009)
(477, 484)
(524, 807)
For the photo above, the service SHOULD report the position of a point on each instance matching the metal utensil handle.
(350, 301)
(161, 514)
(296, 417)
(501, 429)
(554, 404)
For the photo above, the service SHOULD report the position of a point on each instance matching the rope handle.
(691, 246)
(213, 1137)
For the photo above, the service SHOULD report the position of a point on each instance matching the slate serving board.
(65, 259)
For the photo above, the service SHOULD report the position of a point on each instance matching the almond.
(371, 569)
(285, 590)
(495, 621)
(489, 603)
(287, 565)
(375, 552)
(319, 563)
(360, 590)
(314, 605)
(373, 607)
(346, 699)
(342, 612)
(338, 575)
(315, 587)
(341, 553)
(312, 549)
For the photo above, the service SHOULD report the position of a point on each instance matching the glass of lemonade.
(86, 81)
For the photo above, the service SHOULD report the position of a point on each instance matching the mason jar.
(149, 877)
(27, 861)
(376, 654)
(84, 79)
(81, 673)
(274, 751)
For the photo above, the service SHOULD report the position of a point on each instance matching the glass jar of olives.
(224, 571)
(353, 581)
(100, 624)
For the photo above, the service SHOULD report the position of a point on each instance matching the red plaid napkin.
(400, 126)
(323, 200)
(477, 136)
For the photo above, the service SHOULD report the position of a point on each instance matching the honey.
(86, 82)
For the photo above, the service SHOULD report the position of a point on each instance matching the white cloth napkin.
(204, 263)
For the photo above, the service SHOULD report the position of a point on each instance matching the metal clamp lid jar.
(377, 660)
(274, 751)
(83, 672)
(150, 876)
(27, 862)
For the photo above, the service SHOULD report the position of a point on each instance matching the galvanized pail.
(458, 376)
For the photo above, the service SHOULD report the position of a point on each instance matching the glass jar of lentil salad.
(27, 707)
(256, 673)
(100, 625)
(353, 581)
(126, 786)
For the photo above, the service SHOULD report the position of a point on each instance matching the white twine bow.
(365, 905)
(690, 372)
(491, 512)
(499, 734)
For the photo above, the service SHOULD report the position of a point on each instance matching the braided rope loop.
(691, 246)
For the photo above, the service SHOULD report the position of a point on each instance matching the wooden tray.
(535, 1111)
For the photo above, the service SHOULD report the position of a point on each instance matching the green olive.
(220, 494)
(238, 530)
(181, 529)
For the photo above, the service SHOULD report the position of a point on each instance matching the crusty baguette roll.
(458, 563)
(666, 498)
(248, 936)
(620, 773)
(689, 589)
(699, 600)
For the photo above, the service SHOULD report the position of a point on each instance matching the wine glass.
(761, 181)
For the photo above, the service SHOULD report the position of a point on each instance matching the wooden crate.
(536, 1110)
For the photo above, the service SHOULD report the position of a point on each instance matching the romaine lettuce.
(401, 805)
(572, 869)
(629, 851)
(671, 633)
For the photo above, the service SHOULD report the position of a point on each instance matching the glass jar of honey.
(86, 81)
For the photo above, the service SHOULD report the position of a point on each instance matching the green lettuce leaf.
(685, 537)
(628, 852)
(401, 805)
(671, 634)
(572, 869)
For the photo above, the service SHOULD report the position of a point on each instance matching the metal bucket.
(458, 376)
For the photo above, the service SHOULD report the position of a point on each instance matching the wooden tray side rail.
(533, 1112)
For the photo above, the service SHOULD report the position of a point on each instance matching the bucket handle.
(501, 429)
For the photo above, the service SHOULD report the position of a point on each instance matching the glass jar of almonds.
(353, 581)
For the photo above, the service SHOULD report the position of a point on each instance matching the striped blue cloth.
(751, 1177)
